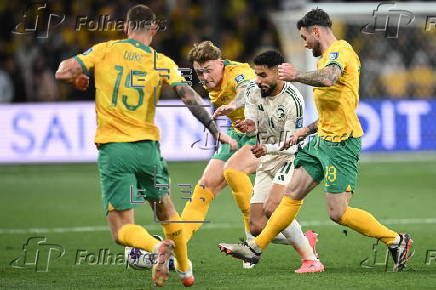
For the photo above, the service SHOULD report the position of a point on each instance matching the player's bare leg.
(399, 244)
(125, 232)
(209, 185)
(174, 231)
(236, 171)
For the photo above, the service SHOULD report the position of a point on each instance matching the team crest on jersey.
(299, 123)
(239, 78)
(88, 51)
(280, 112)
(333, 55)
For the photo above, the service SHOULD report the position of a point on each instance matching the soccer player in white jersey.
(273, 110)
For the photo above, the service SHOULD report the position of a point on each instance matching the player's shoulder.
(290, 90)
(238, 71)
(163, 60)
(251, 89)
(341, 45)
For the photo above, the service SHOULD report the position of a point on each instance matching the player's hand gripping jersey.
(276, 119)
(128, 80)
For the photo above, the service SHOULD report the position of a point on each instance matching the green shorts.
(336, 162)
(131, 172)
(224, 153)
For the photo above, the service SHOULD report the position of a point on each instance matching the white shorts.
(265, 179)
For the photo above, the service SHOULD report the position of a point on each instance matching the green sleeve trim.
(179, 84)
(336, 63)
(85, 70)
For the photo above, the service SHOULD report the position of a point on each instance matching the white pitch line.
(206, 226)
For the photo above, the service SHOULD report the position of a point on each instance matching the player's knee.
(209, 182)
(335, 215)
(268, 209)
(255, 228)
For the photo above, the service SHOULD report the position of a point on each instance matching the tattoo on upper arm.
(195, 104)
(313, 127)
(324, 77)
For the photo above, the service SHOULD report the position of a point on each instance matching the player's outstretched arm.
(70, 71)
(193, 101)
(324, 77)
(300, 135)
(238, 102)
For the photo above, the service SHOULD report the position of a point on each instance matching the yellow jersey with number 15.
(128, 80)
(235, 73)
(336, 105)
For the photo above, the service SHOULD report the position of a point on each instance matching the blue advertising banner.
(394, 125)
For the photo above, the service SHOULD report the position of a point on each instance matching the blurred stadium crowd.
(392, 68)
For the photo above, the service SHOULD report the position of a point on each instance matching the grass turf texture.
(63, 196)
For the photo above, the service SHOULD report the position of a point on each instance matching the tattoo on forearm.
(313, 127)
(320, 78)
(193, 101)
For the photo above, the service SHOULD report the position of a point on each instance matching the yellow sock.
(281, 218)
(196, 209)
(242, 190)
(175, 232)
(136, 236)
(366, 224)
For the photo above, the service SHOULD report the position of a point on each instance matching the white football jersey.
(276, 119)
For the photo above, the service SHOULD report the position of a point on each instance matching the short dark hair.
(269, 58)
(139, 17)
(315, 17)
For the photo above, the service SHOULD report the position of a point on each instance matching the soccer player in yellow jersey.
(128, 79)
(225, 82)
(333, 153)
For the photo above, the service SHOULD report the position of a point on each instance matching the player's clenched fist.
(287, 72)
(224, 138)
(259, 150)
(81, 82)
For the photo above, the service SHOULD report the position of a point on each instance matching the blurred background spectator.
(391, 68)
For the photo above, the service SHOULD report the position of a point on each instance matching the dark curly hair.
(315, 17)
(269, 58)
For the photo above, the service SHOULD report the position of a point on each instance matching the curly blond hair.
(204, 51)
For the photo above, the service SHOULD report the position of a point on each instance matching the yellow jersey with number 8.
(128, 80)
(336, 105)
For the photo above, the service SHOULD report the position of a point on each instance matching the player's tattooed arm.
(70, 71)
(300, 134)
(324, 77)
(195, 104)
(238, 102)
(312, 128)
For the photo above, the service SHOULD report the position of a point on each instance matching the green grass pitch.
(64, 197)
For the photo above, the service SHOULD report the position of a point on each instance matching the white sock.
(249, 236)
(298, 240)
(281, 239)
